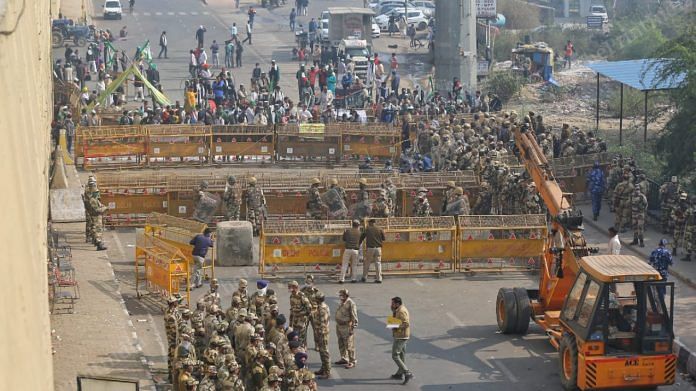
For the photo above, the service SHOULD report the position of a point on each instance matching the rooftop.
(643, 74)
(618, 268)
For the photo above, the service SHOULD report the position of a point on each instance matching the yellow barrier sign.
(316, 129)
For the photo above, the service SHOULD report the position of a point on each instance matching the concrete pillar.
(455, 47)
(234, 244)
(566, 8)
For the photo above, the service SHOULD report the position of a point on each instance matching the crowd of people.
(252, 346)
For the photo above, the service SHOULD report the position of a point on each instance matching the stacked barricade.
(416, 245)
(131, 198)
(301, 246)
(308, 142)
(160, 268)
(236, 143)
(178, 144)
(178, 232)
(111, 147)
(571, 172)
(377, 141)
(500, 243)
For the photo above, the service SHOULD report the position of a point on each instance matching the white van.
(599, 10)
(112, 9)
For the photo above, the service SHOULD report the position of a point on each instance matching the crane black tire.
(568, 362)
(524, 310)
(506, 310)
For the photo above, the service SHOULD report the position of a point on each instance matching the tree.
(678, 139)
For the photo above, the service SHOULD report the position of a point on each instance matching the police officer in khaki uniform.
(172, 317)
(346, 321)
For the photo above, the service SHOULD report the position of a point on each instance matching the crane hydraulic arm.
(568, 243)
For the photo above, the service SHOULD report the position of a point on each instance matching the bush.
(503, 45)
(631, 41)
(646, 159)
(519, 15)
(505, 84)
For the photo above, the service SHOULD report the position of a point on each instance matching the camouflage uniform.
(346, 321)
(615, 175)
(669, 196)
(96, 210)
(363, 205)
(391, 192)
(483, 204)
(622, 203)
(339, 212)
(458, 204)
(315, 205)
(255, 205)
(300, 309)
(381, 207)
(232, 199)
(209, 381)
(679, 220)
(532, 201)
(311, 292)
(88, 214)
(639, 205)
(321, 332)
(690, 231)
(172, 317)
(421, 206)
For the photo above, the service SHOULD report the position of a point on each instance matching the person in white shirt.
(614, 242)
(305, 114)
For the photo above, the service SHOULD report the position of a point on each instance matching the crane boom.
(553, 285)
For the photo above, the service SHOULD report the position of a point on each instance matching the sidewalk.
(684, 274)
(72, 9)
(99, 338)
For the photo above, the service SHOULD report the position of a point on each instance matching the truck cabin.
(354, 48)
(618, 305)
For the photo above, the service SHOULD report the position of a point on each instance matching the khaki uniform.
(255, 207)
(690, 232)
(622, 204)
(679, 219)
(171, 327)
(242, 337)
(315, 206)
(310, 292)
(346, 320)
(97, 210)
(639, 205)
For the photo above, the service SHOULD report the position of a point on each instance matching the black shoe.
(408, 376)
(353, 281)
(397, 376)
(340, 282)
(363, 279)
(594, 217)
(101, 247)
(341, 362)
(687, 258)
(378, 281)
(634, 242)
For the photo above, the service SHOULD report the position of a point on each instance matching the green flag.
(110, 54)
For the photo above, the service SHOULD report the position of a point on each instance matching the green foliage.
(633, 102)
(518, 14)
(586, 42)
(504, 43)
(504, 84)
(678, 139)
(646, 160)
(635, 40)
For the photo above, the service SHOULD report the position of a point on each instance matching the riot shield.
(206, 207)
(337, 207)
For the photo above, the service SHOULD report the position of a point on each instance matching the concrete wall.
(25, 107)
(455, 47)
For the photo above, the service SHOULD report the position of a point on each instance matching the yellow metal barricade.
(308, 142)
(181, 191)
(178, 232)
(110, 146)
(178, 144)
(286, 195)
(417, 245)
(301, 246)
(130, 198)
(500, 243)
(377, 141)
(231, 143)
(161, 268)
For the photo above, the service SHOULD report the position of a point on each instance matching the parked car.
(391, 4)
(376, 31)
(415, 17)
(599, 10)
(112, 9)
(428, 7)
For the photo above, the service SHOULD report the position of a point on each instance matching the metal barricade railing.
(301, 246)
(172, 144)
(130, 198)
(500, 243)
(110, 146)
(416, 245)
(308, 142)
(161, 268)
(377, 141)
(178, 232)
(236, 143)
(436, 183)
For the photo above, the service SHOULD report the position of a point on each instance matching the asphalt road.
(455, 344)
(272, 38)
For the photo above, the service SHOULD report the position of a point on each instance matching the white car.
(428, 7)
(376, 31)
(599, 10)
(415, 17)
(388, 5)
(112, 9)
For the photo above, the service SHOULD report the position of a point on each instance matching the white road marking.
(454, 318)
(417, 281)
(146, 14)
(119, 245)
(193, 13)
(182, 13)
(206, 13)
(170, 13)
(158, 13)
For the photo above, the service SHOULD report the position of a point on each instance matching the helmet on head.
(203, 185)
(316, 181)
(231, 180)
(362, 181)
(252, 180)
(459, 191)
(334, 181)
